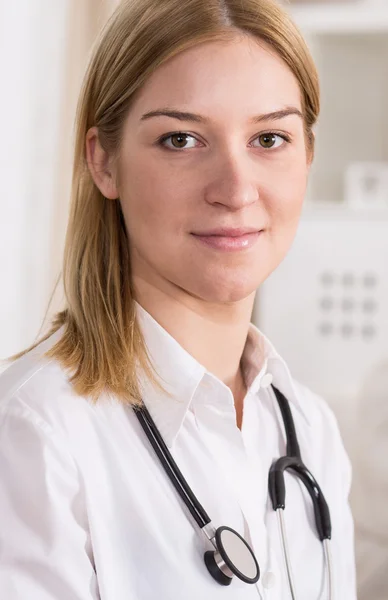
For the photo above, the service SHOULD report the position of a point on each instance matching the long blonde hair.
(101, 344)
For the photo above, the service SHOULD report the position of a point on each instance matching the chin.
(221, 290)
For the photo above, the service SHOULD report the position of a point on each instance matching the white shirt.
(87, 512)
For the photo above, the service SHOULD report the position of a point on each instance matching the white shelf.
(314, 209)
(350, 17)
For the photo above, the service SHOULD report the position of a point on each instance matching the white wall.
(44, 49)
(32, 67)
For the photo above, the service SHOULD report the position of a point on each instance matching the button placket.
(233, 461)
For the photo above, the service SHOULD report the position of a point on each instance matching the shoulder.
(315, 407)
(324, 431)
(38, 389)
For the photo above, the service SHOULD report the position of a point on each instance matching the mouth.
(228, 232)
(229, 240)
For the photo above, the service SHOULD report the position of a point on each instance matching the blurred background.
(333, 327)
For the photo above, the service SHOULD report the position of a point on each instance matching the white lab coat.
(87, 512)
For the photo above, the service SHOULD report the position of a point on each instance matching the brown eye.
(180, 139)
(267, 140)
(177, 141)
(271, 140)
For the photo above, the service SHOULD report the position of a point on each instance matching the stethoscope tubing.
(286, 552)
(287, 559)
(292, 445)
(171, 468)
(293, 462)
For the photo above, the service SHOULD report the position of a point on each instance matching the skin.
(224, 173)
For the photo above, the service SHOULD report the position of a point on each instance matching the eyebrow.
(194, 118)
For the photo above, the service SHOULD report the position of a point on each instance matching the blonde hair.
(101, 344)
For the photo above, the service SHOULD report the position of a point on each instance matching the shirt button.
(269, 580)
(266, 380)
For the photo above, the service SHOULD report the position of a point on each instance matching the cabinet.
(334, 326)
(349, 43)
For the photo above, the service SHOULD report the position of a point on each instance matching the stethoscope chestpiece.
(233, 556)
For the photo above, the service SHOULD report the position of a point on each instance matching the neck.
(213, 333)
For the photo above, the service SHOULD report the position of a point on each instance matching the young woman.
(137, 438)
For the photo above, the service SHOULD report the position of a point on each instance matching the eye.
(178, 139)
(271, 140)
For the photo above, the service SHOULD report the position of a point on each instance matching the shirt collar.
(180, 374)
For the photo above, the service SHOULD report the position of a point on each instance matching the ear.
(100, 167)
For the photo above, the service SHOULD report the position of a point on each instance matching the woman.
(194, 142)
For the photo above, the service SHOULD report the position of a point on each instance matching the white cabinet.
(341, 17)
(349, 42)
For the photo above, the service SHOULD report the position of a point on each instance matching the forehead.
(219, 78)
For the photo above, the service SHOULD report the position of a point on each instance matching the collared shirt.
(87, 511)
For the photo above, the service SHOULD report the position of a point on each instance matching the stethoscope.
(232, 555)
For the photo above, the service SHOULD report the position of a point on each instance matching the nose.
(232, 181)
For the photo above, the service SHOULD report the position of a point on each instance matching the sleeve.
(346, 535)
(44, 542)
(337, 472)
(340, 467)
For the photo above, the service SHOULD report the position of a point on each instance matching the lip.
(228, 232)
(229, 243)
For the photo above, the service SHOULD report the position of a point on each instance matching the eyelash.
(166, 136)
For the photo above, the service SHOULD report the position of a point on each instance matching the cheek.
(287, 194)
(284, 205)
(151, 204)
